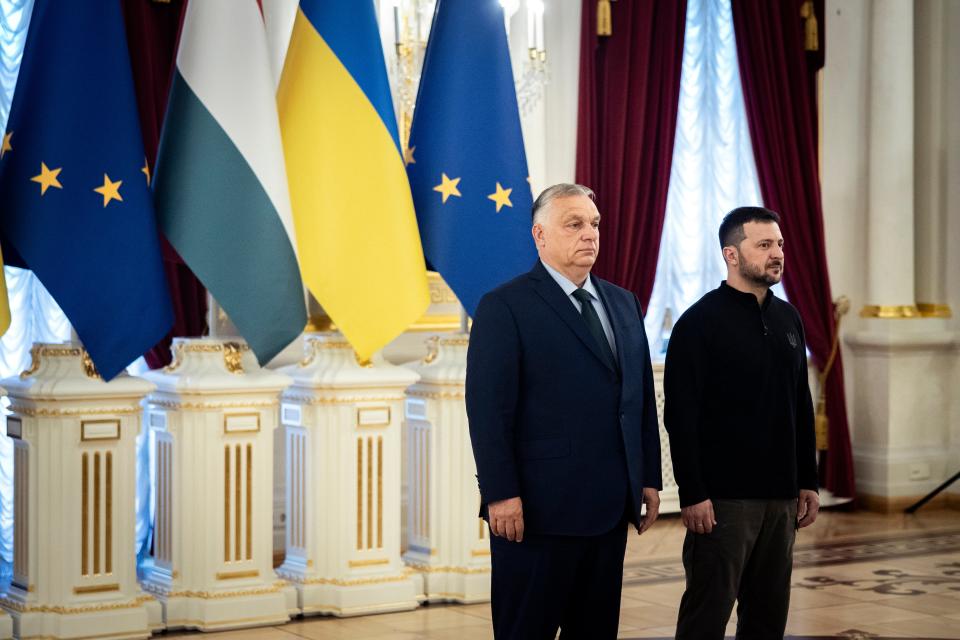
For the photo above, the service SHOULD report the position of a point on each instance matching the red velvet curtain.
(153, 30)
(629, 91)
(776, 74)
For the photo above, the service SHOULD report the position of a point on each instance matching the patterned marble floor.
(857, 576)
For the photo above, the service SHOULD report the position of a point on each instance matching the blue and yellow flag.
(466, 161)
(74, 182)
(356, 230)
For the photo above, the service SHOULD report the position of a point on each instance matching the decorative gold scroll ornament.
(232, 355)
(40, 351)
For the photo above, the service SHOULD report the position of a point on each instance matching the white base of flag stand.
(212, 419)
(341, 422)
(74, 565)
(448, 544)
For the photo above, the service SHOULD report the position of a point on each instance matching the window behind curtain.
(34, 316)
(713, 169)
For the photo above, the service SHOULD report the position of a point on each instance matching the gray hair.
(562, 190)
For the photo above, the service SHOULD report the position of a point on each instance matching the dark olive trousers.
(748, 558)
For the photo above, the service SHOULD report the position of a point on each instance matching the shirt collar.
(745, 298)
(568, 286)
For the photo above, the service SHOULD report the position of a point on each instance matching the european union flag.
(76, 204)
(465, 159)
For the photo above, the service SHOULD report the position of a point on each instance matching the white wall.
(904, 390)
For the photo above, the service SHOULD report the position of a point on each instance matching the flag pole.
(212, 314)
(464, 321)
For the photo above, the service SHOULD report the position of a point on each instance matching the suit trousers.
(549, 582)
(748, 557)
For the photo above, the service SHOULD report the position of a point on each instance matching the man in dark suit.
(563, 423)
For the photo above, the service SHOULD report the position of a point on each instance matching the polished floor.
(856, 576)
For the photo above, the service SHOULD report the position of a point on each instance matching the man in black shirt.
(740, 419)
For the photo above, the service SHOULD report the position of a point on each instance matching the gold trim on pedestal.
(372, 562)
(890, 312)
(96, 588)
(934, 310)
(236, 575)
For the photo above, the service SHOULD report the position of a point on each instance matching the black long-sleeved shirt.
(738, 407)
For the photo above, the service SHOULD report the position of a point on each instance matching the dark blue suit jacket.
(550, 420)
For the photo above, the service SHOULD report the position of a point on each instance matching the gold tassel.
(810, 27)
(821, 424)
(604, 21)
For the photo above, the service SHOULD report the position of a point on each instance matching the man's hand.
(651, 498)
(808, 506)
(699, 518)
(506, 518)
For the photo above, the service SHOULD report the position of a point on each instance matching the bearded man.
(740, 419)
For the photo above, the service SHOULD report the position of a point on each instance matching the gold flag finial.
(811, 30)
(604, 21)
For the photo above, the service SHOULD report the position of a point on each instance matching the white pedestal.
(74, 568)
(448, 544)
(341, 422)
(905, 401)
(670, 496)
(212, 419)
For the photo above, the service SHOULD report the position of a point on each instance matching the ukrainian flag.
(356, 230)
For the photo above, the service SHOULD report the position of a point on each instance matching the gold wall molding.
(934, 310)
(890, 312)
(440, 291)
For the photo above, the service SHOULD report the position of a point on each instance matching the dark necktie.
(593, 323)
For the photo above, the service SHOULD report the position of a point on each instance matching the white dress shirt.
(569, 287)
